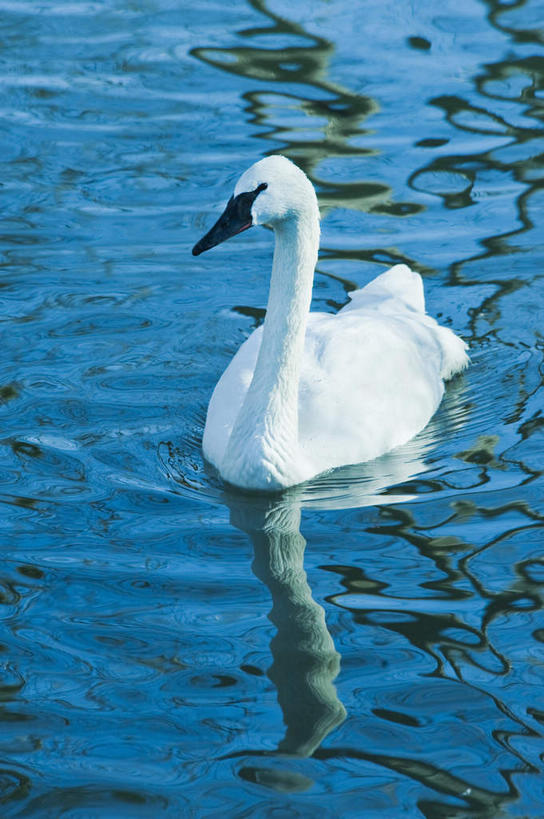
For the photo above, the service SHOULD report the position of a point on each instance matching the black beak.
(229, 224)
(235, 218)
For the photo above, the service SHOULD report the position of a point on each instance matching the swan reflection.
(305, 661)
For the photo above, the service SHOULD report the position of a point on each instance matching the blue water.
(371, 644)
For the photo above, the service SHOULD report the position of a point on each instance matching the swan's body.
(307, 392)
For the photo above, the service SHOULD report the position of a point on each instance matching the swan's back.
(398, 289)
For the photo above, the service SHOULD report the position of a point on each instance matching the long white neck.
(263, 446)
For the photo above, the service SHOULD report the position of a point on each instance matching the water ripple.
(169, 644)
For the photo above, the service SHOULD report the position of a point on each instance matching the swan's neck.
(263, 447)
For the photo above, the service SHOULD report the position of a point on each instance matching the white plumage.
(307, 392)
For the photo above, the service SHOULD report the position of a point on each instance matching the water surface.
(370, 644)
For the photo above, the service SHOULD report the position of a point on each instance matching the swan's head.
(268, 193)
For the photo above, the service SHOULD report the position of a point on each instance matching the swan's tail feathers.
(455, 358)
(399, 283)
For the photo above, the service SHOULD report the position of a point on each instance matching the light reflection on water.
(369, 643)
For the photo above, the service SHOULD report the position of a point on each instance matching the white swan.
(307, 392)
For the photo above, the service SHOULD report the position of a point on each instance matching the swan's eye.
(244, 201)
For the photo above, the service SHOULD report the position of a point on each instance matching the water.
(368, 645)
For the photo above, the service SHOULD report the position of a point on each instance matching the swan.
(308, 391)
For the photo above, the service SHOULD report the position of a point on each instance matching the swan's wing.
(399, 292)
(373, 374)
(369, 383)
(228, 397)
(397, 288)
